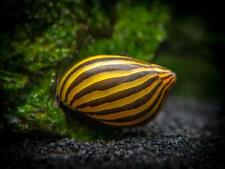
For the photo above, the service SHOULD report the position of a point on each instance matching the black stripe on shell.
(144, 112)
(86, 64)
(157, 110)
(120, 94)
(109, 83)
(97, 70)
(129, 106)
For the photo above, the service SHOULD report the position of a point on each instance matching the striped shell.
(115, 90)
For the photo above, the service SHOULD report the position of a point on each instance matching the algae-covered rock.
(137, 32)
(51, 34)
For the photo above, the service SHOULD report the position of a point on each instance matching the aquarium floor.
(186, 134)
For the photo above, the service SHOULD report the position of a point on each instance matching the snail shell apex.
(115, 90)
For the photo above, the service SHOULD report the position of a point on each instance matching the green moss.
(11, 80)
(137, 32)
(53, 45)
(38, 111)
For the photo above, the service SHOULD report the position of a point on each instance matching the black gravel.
(186, 134)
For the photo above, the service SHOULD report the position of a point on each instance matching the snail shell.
(115, 90)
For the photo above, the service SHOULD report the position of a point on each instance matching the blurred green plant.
(187, 52)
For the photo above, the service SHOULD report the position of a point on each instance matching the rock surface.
(186, 134)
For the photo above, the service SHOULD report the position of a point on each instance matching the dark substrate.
(186, 134)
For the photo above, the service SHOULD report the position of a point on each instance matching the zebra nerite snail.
(115, 90)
